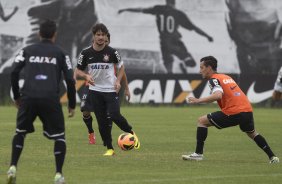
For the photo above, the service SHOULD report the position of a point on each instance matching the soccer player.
(168, 20)
(43, 65)
(86, 109)
(277, 92)
(235, 110)
(102, 62)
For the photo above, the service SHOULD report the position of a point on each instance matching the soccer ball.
(126, 141)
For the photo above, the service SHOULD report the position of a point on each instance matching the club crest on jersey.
(106, 58)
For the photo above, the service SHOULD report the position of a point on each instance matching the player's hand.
(127, 94)
(117, 86)
(210, 39)
(18, 103)
(16, 8)
(120, 11)
(75, 76)
(89, 79)
(192, 100)
(71, 112)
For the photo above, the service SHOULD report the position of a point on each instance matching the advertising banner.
(166, 89)
(160, 41)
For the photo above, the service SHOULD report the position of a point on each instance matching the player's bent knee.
(276, 95)
(86, 114)
(203, 121)
(61, 139)
(252, 134)
(23, 134)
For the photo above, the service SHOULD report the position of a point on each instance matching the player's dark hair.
(210, 61)
(47, 29)
(109, 37)
(99, 27)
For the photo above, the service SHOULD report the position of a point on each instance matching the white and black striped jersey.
(102, 66)
(43, 64)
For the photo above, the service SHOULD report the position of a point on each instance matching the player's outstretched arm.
(201, 32)
(87, 77)
(130, 10)
(188, 24)
(213, 97)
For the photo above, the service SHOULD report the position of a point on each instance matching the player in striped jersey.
(86, 109)
(102, 63)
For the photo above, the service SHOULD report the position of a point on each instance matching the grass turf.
(165, 134)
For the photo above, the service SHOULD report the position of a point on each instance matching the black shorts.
(107, 102)
(85, 105)
(244, 119)
(49, 112)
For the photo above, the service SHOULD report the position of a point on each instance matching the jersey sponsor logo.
(99, 66)
(106, 58)
(228, 81)
(233, 87)
(154, 92)
(237, 94)
(19, 57)
(40, 59)
(256, 97)
(41, 77)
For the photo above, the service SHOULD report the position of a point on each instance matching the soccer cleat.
(274, 160)
(92, 138)
(193, 156)
(109, 152)
(137, 143)
(59, 179)
(11, 175)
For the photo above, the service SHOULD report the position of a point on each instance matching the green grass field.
(165, 134)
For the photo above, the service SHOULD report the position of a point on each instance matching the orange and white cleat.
(92, 138)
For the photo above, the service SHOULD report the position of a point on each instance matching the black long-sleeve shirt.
(43, 64)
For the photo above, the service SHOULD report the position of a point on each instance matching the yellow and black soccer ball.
(126, 141)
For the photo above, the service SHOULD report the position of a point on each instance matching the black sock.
(202, 133)
(59, 152)
(261, 142)
(17, 147)
(109, 146)
(88, 122)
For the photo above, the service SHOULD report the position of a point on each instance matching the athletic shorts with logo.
(49, 110)
(84, 105)
(245, 120)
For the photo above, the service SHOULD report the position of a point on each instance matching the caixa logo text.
(159, 91)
